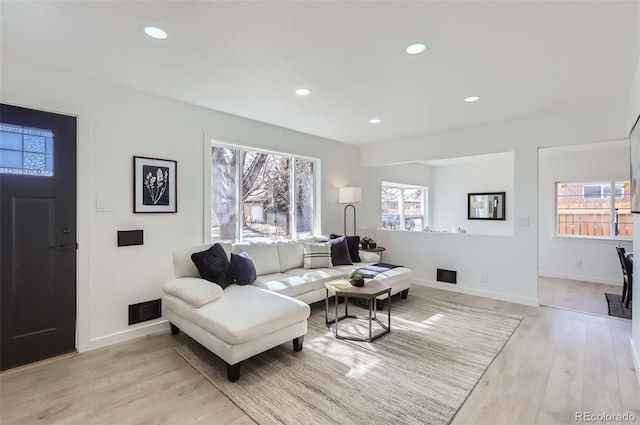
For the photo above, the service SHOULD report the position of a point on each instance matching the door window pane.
(25, 150)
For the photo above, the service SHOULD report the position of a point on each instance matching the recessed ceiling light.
(375, 120)
(471, 98)
(416, 48)
(303, 92)
(155, 32)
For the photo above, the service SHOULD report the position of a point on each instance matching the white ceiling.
(247, 58)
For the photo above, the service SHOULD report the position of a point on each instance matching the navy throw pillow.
(214, 265)
(244, 271)
(340, 252)
(353, 242)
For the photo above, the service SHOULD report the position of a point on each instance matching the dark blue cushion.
(244, 271)
(353, 242)
(213, 265)
(340, 252)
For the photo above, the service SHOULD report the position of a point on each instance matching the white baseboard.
(617, 282)
(635, 355)
(162, 325)
(477, 292)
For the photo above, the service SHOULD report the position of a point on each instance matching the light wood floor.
(557, 363)
(575, 295)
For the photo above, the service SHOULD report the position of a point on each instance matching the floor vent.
(142, 312)
(448, 276)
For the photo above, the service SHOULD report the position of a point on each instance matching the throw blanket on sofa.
(369, 272)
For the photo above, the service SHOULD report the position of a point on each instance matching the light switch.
(103, 205)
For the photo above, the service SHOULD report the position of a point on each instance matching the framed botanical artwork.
(635, 167)
(154, 185)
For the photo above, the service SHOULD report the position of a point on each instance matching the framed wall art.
(634, 137)
(154, 185)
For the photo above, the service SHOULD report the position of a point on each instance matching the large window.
(596, 209)
(260, 195)
(403, 206)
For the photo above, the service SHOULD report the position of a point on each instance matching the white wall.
(584, 163)
(116, 123)
(483, 173)
(510, 262)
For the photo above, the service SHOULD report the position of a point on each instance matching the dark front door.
(38, 235)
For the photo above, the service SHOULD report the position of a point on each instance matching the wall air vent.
(448, 276)
(142, 312)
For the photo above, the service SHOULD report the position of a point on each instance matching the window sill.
(593, 238)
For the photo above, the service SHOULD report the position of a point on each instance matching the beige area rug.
(420, 373)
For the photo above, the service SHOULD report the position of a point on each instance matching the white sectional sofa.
(279, 266)
(242, 321)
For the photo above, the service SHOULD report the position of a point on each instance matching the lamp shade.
(348, 195)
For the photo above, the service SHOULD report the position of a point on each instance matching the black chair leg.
(629, 295)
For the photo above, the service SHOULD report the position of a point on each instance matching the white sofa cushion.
(183, 265)
(291, 254)
(194, 291)
(318, 277)
(246, 313)
(284, 283)
(263, 254)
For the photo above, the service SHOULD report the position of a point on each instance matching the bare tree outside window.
(304, 200)
(266, 195)
(403, 207)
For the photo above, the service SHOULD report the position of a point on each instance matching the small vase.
(356, 282)
(373, 245)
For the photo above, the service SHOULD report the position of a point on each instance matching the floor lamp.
(348, 195)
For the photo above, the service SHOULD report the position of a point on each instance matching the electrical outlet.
(578, 263)
(484, 278)
(103, 205)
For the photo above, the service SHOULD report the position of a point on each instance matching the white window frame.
(210, 142)
(613, 185)
(402, 187)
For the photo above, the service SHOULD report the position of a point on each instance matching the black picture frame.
(634, 138)
(154, 185)
(486, 206)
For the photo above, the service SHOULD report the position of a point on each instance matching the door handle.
(63, 247)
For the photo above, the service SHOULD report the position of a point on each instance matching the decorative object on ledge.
(154, 185)
(349, 195)
(356, 279)
(486, 206)
(635, 167)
